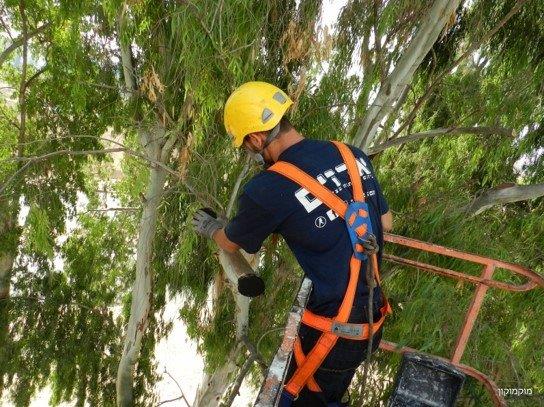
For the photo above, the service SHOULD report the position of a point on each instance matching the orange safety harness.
(359, 227)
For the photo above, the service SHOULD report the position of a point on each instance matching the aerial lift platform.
(444, 376)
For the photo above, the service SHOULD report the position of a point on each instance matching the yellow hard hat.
(252, 107)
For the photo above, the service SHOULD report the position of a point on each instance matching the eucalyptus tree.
(436, 90)
(178, 60)
(58, 97)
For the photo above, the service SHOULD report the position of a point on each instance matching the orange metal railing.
(483, 282)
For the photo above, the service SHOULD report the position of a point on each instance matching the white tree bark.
(235, 265)
(7, 257)
(214, 385)
(498, 196)
(156, 150)
(126, 54)
(142, 289)
(394, 85)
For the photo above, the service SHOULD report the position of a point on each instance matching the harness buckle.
(347, 330)
(360, 231)
(370, 244)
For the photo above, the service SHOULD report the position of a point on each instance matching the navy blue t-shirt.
(271, 203)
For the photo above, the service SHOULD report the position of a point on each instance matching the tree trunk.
(234, 265)
(395, 84)
(214, 385)
(142, 289)
(7, 254)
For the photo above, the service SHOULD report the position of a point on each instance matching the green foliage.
(71, 286)
(38, 238)
(64, 323)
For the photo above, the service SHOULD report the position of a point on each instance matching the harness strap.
(298, 176)
(356, 332)
(353, 171)
(310, 363)
(300, 358)
(314, 359)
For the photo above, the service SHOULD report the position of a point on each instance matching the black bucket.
(424, 381)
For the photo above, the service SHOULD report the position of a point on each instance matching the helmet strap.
(258, 156)
(272, 135)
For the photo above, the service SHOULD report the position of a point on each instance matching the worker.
(276, 201)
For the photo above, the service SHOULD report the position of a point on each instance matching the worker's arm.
(387, 221)
(223, 241)
(206, 223)
(247, 230)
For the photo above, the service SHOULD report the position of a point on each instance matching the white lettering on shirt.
(310, 203)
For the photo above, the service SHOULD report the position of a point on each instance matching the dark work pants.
(335, 374)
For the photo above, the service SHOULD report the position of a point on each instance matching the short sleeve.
(251, 225)
(383, 206)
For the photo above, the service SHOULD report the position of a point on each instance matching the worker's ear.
(256, 140)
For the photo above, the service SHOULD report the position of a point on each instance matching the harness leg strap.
(300, 358)
(314, 359)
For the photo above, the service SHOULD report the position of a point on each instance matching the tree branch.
(22, 87)
(102, 311)
(193, 9)
(497, 196)
(402, 74)
(113, 209)
(32, 160)
(36, 74)
(182, 397)
(481, 130)
(235, 390)
(237, 184)
(20, 41)
(378, 41)
(154, 164)
(255, 353)
(467, 53)
(126, 54)
(9, 119)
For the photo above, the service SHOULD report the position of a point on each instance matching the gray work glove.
(205, 222)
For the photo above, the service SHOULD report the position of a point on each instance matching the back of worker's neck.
(283, 142)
